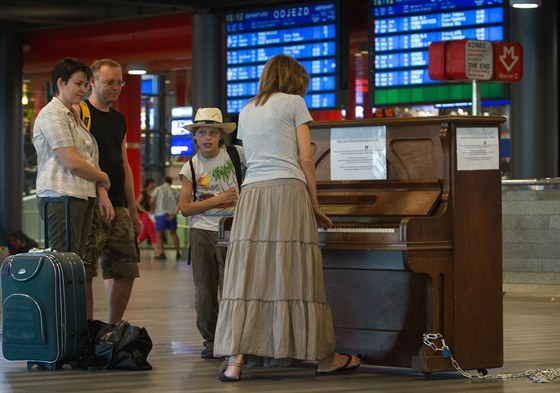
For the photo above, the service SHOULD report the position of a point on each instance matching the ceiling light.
(525, 3)
(137, 69)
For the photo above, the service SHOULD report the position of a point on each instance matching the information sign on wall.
(310, 32)
(401, 34)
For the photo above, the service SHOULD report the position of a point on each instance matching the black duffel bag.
(19, 242)
(119, 346)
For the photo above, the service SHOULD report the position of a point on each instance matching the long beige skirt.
(274, 303)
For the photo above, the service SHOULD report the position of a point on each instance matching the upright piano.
(418, 251)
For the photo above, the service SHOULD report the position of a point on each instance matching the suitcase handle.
(47, 201)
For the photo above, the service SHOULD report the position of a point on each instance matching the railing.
(549, 183)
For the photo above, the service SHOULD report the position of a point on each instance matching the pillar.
(11, 135)
(534, 100)
(129, 104)
(206, 61)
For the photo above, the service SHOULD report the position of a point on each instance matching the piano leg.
(438, 267)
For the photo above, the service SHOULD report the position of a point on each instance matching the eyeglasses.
(212, 133)
(114, 83)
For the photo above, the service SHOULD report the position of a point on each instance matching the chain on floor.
(538, 376)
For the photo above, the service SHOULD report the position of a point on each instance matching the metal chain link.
(537, 376)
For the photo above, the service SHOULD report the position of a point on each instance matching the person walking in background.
(213, 173)
(67, 160)
(165, 205)
(112, 244)
(143, 206)
(274, 308)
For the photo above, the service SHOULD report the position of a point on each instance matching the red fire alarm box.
(436, 62)
(469, 59)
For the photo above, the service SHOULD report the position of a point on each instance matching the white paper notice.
(358, 153)
(478, 149)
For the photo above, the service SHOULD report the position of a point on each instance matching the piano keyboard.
(358, 230)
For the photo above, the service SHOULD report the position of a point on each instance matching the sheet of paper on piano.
(478, 148)
(358, 153)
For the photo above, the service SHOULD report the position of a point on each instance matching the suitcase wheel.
(45, 366)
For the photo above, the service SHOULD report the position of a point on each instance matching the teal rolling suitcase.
(43, 307)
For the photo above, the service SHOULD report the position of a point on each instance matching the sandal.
(346, 368)
(224, 378)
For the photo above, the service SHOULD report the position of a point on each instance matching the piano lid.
(379, 197)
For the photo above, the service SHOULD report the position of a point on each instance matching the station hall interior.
(182, 47)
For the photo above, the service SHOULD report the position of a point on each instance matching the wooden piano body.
(418, 252)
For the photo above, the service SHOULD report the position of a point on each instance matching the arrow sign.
(508, 62)
(508, 58)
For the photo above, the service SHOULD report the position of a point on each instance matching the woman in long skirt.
(274, 308)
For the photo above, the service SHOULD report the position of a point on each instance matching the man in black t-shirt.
(113, 244)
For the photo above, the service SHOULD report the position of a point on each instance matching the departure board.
(309, 32)
(401, 32)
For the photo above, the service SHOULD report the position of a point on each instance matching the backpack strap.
(193, 199)
(236, 161)
(193, 179)
(85, 114)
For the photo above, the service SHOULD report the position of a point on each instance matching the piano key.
(358, 230)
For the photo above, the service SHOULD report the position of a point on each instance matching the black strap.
(193, 181)
(236, 161)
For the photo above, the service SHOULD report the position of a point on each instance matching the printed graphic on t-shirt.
(220, 179)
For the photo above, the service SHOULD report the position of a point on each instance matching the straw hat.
(210, 117)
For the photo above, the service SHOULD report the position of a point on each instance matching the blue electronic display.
(403, 78)
(308, 32)
(385, 8)
(250, 89)
(301, 34)
(402, 31)
(423, 40)
(322, 100)
(402, 59)
(181, 146)
(262, 54)
(439, 21)
(278, 18)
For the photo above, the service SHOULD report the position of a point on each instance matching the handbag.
(119, 346)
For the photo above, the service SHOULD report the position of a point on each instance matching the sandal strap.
(232, 362)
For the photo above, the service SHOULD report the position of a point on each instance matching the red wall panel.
(160, 39)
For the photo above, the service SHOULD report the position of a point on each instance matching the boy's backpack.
(235, 160)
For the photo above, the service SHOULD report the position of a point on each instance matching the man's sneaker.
(207, 354)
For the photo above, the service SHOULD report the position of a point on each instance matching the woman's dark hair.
(148, 181)
(65, 68)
